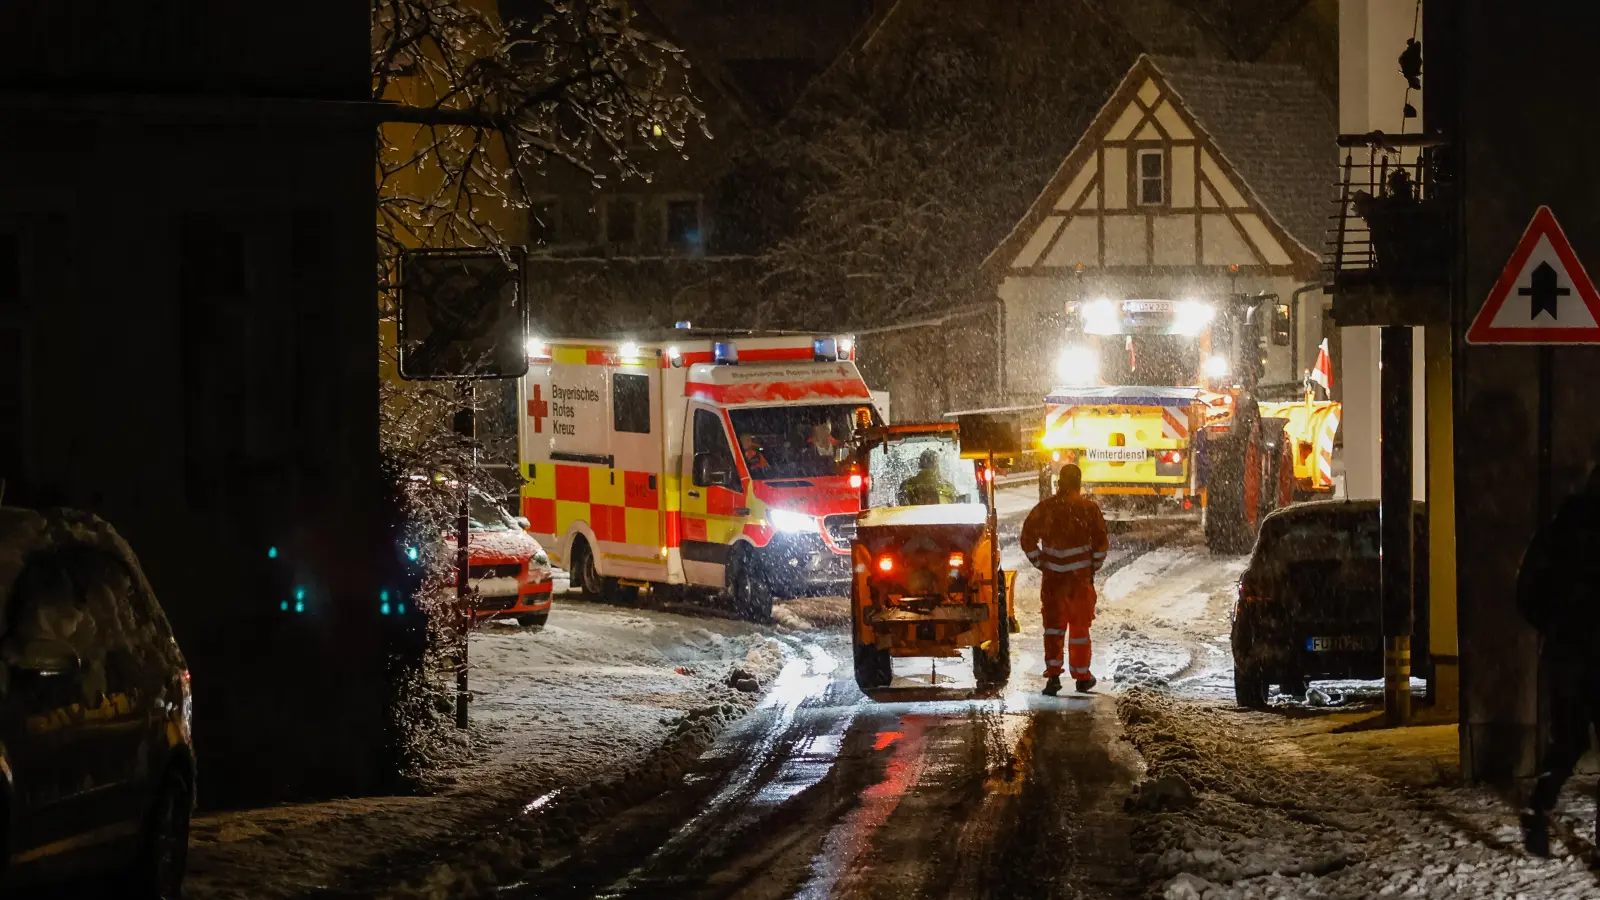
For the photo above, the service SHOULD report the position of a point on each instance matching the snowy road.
(927, 791)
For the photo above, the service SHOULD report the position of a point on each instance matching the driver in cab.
(928, 487)
(754, 459)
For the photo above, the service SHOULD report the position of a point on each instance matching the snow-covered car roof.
(24, 532)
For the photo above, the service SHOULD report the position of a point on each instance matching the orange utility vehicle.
(927, 579)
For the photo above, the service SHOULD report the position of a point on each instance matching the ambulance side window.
(711, 443)
(630, 403)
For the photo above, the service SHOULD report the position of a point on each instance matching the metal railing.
(1394, 210)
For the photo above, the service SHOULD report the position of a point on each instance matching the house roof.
(1275, 127)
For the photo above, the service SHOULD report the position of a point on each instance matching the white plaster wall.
(1372, 33)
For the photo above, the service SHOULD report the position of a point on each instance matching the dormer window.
(1152, 178)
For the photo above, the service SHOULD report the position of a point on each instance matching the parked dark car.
(1310, 602)
(96, 761)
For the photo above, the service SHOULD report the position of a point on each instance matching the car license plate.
(1343, 642)
(1116, 454)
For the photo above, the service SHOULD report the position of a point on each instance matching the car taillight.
(856, 481)
(1249, 593)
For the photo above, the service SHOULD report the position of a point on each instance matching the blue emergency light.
(825, 350)
(725, 353)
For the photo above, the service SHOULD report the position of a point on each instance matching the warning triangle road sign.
(1543, 297)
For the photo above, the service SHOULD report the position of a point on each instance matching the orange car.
(508, 571)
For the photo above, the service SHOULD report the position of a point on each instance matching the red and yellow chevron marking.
(618, 505)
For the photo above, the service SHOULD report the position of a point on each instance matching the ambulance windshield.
(794, 441)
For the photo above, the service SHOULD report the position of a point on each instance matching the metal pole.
(466, 428)
(1396, 540)
(1546, 397)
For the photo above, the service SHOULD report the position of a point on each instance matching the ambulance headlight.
(629, 351)
(1078, 366)
(847, 347)
(784, 520)
(1216, 367)
(1192, 317)
(1100, 317)
(537, 349)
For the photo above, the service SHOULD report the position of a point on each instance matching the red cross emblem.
(537, 410)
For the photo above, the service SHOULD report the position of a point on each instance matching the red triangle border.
(1543, 224)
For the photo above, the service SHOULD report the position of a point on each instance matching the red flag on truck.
(1323, 372)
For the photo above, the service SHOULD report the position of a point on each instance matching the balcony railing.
(1393, 240)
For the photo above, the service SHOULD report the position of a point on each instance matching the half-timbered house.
(1197, 179)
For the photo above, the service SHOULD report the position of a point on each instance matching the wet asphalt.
(925, 790)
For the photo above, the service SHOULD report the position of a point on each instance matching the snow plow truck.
(927, 580)
(1159, 405)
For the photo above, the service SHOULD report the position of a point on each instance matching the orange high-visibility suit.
(1065, 538)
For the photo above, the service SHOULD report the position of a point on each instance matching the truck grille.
(841, 527)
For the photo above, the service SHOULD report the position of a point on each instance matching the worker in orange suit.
(1065, 538)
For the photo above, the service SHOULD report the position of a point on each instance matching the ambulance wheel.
(748, 587)
(591, 583)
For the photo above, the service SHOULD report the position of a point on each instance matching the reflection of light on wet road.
(851, 836)
(807, 758)
(540, 801)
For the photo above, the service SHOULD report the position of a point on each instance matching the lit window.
(1152, 190)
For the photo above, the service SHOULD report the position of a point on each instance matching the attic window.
(1152, 178)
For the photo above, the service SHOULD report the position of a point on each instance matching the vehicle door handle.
(695, 494)
(741, 510)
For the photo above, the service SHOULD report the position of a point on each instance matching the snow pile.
(812, 614)
(1272, 818)
(600, 710)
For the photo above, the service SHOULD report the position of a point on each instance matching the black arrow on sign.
(1543, 291)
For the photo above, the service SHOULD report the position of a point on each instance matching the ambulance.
(690, 460)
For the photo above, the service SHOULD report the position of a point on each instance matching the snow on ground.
(1162, 620)
(1253, 805)
(559, 716)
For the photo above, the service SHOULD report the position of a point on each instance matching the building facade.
(186, 349)
(1197, 180)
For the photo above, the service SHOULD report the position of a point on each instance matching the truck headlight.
(785, 520)
(1101, 317)
(1216, 367)
(1192, 317)
(1078, 366)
